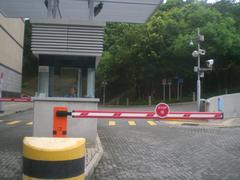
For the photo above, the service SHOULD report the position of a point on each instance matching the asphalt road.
(12, 130)
(140, 150)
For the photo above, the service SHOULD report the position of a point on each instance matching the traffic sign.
(162, 110)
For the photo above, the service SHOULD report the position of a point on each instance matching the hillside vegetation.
(138, 56)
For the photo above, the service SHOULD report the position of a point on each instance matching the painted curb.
(95, 160)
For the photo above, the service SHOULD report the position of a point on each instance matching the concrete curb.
(92, 164)
(226, 123)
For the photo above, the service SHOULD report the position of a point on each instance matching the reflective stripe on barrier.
(15, 99)
(53, 158)
(145, 115)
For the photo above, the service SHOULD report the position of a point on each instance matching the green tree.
(137, 57)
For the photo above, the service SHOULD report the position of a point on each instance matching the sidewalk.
(14, 107)
(225, 123)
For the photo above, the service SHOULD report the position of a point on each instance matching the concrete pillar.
(43, 80)
(79, 84)
(91, 82)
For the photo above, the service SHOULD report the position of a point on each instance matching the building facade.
(11, 53)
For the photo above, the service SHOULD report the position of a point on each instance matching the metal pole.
(178, 91)
(91, 9)
(55, 8)
(164, 92)
(194, 97)
(50, 8)
(104, 95)
(198, 72)
(169, 91)
(149, 100)
(181, 91)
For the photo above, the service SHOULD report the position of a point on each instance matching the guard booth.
(67, 38)
(68, 54)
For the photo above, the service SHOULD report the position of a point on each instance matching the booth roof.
(134, 11)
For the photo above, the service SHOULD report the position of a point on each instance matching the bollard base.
(73, 178)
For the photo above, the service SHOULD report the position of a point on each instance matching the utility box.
(204, 105)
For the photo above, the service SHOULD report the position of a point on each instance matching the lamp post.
(200, 71)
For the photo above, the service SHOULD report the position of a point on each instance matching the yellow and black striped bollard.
(53, 158)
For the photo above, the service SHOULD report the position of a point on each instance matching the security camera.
(210, 63)
(195, 53)
(202, 51)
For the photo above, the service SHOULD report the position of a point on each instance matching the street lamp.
(200, 71)
(104, 84)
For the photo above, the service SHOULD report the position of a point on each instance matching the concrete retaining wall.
(231, 107)
(12, 80)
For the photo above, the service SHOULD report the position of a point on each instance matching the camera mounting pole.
(200, 71)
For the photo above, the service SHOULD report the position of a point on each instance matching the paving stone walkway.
(168, 153)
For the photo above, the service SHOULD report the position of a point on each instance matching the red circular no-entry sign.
(162, 110)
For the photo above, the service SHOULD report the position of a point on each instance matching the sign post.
(179, 88)
(164, 82)
(169, 89)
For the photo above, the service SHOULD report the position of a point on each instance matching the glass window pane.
(64, 79)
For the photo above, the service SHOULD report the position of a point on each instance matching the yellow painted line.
(183, 122)
(13, 122)
(152, 123)
(111, 123)
(131, 123)
(30, 123)
(173, 122)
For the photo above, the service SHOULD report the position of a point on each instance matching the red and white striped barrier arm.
(15, 99)
(162, 112)
(146, 115)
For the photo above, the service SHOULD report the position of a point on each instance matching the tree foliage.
(136, 57)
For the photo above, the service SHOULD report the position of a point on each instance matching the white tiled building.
(11, 53)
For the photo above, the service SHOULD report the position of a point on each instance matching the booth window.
(64, 78)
